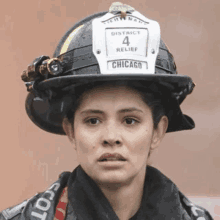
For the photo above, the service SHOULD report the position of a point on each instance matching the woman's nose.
(111, 136)
(111, 142)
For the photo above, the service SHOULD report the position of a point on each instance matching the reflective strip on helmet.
(68, 40)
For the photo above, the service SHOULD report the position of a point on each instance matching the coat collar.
(160, 198)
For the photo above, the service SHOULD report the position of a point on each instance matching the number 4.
(126, 41)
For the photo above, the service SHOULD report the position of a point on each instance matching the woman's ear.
(68, 129)
(159, 132)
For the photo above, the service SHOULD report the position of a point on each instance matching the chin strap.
(61, 208)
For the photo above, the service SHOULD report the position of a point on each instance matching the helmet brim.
(47, 116)
(177, 81)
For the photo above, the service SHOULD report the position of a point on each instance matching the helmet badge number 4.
(125, 41)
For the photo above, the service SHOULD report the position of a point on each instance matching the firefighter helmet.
(120, 44)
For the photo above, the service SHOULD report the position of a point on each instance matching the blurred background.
(32, 159)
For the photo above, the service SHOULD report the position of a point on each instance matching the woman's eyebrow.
(88, 111)
(92, 111)
(130, 110)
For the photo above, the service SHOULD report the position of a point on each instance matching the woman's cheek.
(86, 142)
(140, 145)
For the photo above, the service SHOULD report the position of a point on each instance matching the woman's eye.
(93, 121)
(130, 121)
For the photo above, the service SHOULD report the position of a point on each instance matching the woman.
(112, 89)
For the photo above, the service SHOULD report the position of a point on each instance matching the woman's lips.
(111, 157)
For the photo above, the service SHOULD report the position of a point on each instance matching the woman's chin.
(113, 179)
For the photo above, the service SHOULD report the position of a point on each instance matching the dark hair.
(150, 93)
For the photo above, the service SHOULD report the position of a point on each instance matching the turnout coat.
(161, 200)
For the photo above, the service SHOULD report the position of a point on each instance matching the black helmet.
(117, 45)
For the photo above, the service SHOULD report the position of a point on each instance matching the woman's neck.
(126, 199)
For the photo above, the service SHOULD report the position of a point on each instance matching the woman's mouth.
(111, 157)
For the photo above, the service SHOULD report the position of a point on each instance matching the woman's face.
(113, 133)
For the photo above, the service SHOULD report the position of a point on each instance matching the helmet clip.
(118, 7)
